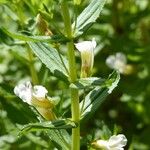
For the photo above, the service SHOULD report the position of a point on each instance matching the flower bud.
(86, 48)
(36, 96)
(42, 26)
(115, 142)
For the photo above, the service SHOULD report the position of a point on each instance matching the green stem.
(31, 66)
(73, 76)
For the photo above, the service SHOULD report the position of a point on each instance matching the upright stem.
(73, 76)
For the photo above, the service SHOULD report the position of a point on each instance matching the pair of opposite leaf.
(37, 95)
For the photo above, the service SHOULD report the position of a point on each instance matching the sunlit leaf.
(57, 124)
(37, 140)
(60, 136)
(54, 38)
(88, 16)
(54, 61)
(95, 97)
(87, 82)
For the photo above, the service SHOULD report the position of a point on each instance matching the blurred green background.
(123, 26)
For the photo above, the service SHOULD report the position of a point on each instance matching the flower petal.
(117, 141)
(117, 62)
(103, 144)
(39, 91)
(86, 45)
(24, 92)
(121, 57)
(110, 61)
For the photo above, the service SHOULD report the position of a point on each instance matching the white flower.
(39, 91)
(36, 96)
(24, 92)
(117, 62)
(86, 48)
(27, 93)
(115, 142)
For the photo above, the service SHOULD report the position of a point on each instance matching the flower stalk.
(73, 76)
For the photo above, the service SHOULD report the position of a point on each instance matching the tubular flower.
(86, 48)
(36, 96)
(115, 142)
(117, 62)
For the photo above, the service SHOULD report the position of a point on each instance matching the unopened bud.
(42, 26)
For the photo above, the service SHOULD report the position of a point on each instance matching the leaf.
(37, 140)
(95, 97)
(87, 82)
(5, 38)
(54, 38)
(88, 16)
(56, 63)
(60, 137)
(57, 124)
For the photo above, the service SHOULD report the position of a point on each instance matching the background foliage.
(123, 26)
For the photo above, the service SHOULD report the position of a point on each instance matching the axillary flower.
(117, 62)
(86, 48)
(115, 142)
(36, 96)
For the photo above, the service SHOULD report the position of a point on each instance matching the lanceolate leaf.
(55, 130)
(88, 16)
(56, 63)
(95, 98)
(54, 38)
(87, 83)
(58, 124)
(60, 138)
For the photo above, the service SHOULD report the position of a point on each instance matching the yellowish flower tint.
(36, 96)
(115, 142)
(119, 63)
(86, 48)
